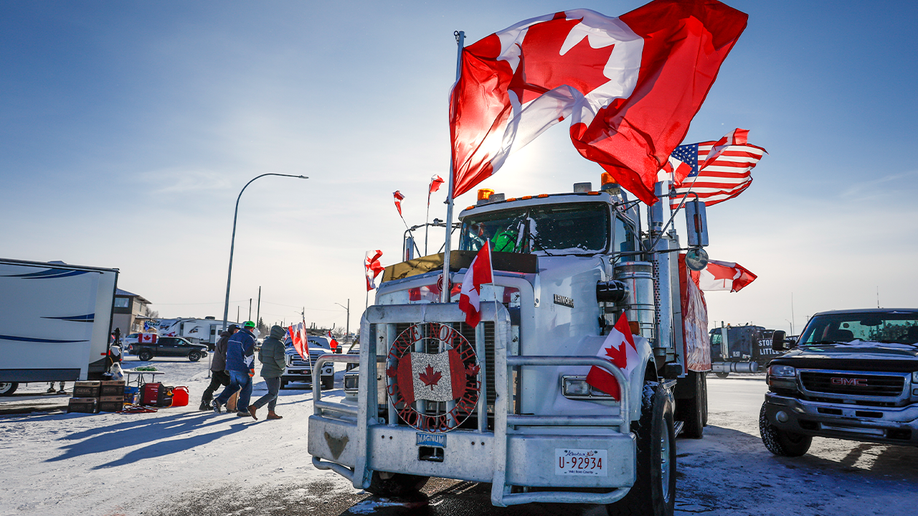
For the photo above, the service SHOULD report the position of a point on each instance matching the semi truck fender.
(644, 370)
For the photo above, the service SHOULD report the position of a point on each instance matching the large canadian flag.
(300, 339)
(618, 348)
(727, 276)
(479, 273)
(629, 85)
(431, 376)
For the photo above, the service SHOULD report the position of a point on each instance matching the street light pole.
(347, 324)
(229, 274)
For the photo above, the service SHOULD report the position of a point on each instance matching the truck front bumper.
(470, 456)
(889, 425)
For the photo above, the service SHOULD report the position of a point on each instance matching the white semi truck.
(55, 322)
(507, 402)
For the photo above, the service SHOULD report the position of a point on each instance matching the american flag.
(725, 177)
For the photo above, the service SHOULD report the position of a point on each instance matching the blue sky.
(129, 128)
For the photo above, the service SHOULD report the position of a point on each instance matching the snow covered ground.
(180, 461)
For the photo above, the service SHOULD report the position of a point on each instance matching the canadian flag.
(372, 268)
(431, 376)
(331, 341)
(147, 338)
(629, 87)
(727, 276)
(300, 340)
(398, 198)
(479, 273)
(619, 349)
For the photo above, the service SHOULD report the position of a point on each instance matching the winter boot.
(205, 405)
(272, 415)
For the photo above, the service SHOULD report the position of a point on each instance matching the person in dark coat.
(218, 375)
(240, 363)
(273, 360)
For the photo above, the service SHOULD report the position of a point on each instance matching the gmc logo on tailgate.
(856, 382)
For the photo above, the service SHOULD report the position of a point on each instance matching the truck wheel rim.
(665, 466)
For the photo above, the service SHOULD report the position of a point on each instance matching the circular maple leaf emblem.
(432, 377)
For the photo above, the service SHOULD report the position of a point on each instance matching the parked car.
(169, 347)
(852, 374)
(300, 370)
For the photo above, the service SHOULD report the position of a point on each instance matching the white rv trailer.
(56, 321)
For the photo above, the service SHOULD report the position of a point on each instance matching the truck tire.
(194, 356)
(691, 410)
(145, 355)
(328, 383)
(722, 374)
(781, 442)
(704, 414)
(654, 490)
(8, 388)
(395, 484)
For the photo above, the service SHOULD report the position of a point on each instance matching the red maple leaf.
(392, 372)
(580, 67)
(618, 355)
(720, 272)
(472, 370)
(429, 377)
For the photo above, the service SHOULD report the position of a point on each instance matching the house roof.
(125, 293)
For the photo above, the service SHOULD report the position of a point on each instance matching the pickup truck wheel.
(145, 355)
(781, 442)
(691, 410)
(194, 356)
(722, 375)
(395, 484)
(654, 490)
(8, 388)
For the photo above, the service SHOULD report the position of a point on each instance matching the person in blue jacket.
(240, 364)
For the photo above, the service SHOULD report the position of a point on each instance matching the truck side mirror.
(696, 223)
(779, 342)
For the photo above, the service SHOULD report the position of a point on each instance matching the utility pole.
(258, 311)
(347, 325)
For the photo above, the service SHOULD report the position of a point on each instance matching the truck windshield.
(886, 327)
(581, 228)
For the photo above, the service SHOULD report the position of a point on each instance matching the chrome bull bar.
(358, 422)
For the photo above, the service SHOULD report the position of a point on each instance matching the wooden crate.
(87, 389)
(87, 405)
(112, 388)
(111, 403)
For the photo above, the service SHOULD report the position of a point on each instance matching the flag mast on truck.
(444, 292)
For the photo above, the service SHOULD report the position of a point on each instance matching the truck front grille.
(853, 384)
(487, 361)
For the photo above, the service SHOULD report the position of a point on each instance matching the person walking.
(240, 364)
(273, 362)
(218, 374)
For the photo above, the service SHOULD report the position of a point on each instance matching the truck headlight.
(782, 371)
(576, 387)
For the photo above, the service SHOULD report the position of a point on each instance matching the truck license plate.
(581, 462)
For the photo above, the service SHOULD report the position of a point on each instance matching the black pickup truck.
(852, 374)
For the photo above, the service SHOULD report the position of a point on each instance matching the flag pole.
(444, 293)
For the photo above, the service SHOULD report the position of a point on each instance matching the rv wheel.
(8, 388)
